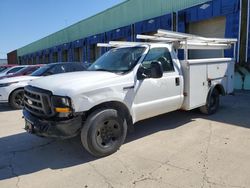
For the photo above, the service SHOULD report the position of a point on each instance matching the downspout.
(177, 21)
(174, 21)
(247, 37)
(239, 35)
(243, 31)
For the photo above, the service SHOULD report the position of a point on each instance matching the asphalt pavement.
(178, 149)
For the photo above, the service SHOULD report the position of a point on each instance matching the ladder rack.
(179, 41)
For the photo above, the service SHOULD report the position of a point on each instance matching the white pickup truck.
(129, 83)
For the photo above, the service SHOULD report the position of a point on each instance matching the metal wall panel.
(95, 39)
(209, 10)
(77, 44)
(232, 31)
(70, 56)
(120, 33)
(37, 58)
(12, 57)
(153, 24)
(215, 27)
(91, 42)
(248, 35)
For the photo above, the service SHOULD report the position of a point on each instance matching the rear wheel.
(213, 103)
(104, 132)
(16, 99)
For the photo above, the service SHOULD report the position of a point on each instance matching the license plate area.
(29, 126)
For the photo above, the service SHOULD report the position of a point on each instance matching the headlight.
(7, 84)
(61, 104)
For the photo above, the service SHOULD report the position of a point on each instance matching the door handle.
(177, 81)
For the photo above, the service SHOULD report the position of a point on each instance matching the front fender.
(86, 101)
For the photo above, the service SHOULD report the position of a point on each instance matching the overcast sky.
(25, 21)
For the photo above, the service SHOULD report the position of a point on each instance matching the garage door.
(209, 28)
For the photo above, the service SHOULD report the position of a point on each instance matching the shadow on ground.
(23, 153)
(4, 107)
(234, 110)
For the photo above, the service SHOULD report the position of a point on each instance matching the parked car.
(128, 84)
(11, 70)
(25, 71)
(4, 67)
(87, 64)
(11, 89)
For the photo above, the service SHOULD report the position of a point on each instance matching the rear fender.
(220, 89)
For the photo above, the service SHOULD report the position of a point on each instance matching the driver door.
(157, 96)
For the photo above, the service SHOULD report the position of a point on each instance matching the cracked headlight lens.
(61, 104)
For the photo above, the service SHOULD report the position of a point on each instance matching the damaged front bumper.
(52, 128)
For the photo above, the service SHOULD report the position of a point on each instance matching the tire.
(16, 99)
(213, 103)
(104, 132)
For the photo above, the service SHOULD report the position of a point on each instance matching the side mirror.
(143, 73)
(156, 69)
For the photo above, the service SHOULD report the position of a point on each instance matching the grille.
(37, 101)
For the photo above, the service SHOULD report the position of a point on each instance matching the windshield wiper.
(102, 70)
(112, 71)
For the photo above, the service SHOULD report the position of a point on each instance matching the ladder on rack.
(179, 41)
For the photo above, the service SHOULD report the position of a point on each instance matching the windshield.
(118, 60)
(41, 70)
(21, 70)
(3, 68)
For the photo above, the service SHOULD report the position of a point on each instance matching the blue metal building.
(221, 18)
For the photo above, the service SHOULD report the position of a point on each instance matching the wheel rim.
(108, 134)
(18, 100)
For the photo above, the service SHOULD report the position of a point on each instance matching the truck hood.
(63, 84)
(18, 79)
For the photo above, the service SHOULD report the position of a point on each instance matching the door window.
(162, 55)
(32, 69)
(72, 67)
(57, 69)
(14, 70)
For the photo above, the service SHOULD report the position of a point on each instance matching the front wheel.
(104, 132)
(213, 103)
(16, 99)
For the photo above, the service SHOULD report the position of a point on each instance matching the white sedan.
(12, 89)
(11, 70)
